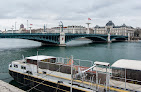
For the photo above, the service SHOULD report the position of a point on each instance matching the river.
(13, 49)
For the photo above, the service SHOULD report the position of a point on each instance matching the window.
(29, 72)
(23, 67)
(16, 66)
(44, 72)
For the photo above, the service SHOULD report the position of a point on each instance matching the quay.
(5, 87)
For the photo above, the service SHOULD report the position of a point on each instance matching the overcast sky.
(70, 12)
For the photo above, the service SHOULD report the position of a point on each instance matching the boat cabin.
(129, 69)
(35, 59)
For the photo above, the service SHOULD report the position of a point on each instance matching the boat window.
(16, 66)
(52, 60)
(44, 72)
(23, 67)
(29, 72)
(45, 60)
(32, 61)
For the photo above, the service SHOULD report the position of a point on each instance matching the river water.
(13, 49)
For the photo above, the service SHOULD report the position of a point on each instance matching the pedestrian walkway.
(5, 87)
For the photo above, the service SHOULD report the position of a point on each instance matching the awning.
(127, 64)
(40, 57)
(101, 63)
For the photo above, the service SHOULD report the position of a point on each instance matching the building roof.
(127, 64)
(40, 57)
(123, 25)
(96, 26)
(110, 23)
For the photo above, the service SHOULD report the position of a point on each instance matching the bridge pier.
(62, 39)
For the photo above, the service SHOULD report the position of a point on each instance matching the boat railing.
(78, 62)
(125, 83)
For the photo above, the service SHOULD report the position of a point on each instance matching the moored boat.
(49, 73)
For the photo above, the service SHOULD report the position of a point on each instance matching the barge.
(49, 73)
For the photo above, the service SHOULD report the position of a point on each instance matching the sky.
(70, 12)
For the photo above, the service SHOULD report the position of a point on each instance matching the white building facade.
(71, 29)
(114, 30)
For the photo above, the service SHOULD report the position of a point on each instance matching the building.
(12, 31)
(72, 29)
(114, 30)
(21, 26)
(137, 32)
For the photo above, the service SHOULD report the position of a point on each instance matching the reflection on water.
(17, 43)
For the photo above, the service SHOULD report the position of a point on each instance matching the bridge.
(60, 39)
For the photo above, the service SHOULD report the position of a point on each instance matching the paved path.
(5, 87)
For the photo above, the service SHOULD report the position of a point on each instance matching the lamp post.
(44, 27)
(62, 35)
(61, 25)
(30, 29)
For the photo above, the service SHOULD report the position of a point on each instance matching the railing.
(66, 33)
(125, 84)
(79, 62)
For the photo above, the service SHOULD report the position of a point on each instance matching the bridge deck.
(54, 38)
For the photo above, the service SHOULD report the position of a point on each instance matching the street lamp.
(61, 25)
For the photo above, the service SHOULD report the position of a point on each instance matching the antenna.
(37, 59)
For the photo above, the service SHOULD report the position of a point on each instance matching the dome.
(123, 25)
(96, 26)
(110, 23)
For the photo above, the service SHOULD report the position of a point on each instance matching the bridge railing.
(65, 33)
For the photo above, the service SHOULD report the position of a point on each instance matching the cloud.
(71, 12)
